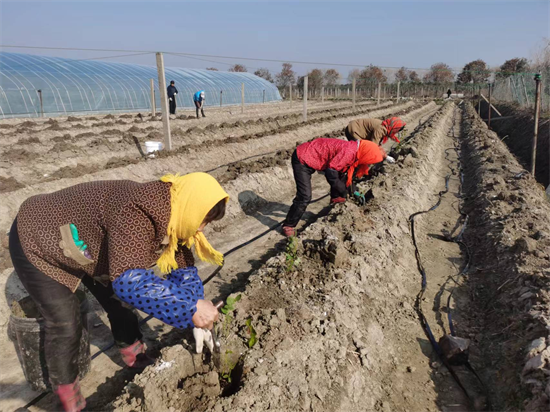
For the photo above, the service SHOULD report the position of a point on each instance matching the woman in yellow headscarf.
(126, 242)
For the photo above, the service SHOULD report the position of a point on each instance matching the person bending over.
(375, 130)
(130, 245)
(340, 160)
(198, 98)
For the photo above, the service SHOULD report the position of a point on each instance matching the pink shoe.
(70, 397)
(337, 200)
(289, 231)
(134, 356)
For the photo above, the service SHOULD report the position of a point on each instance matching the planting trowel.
(216, 352)
(217, 345)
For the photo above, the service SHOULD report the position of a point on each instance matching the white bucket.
(151, 147)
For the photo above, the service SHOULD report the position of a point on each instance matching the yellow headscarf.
(192, 197)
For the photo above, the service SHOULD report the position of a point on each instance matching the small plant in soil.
(291, 254)
(253, 338)
(227, 309)
(227, 366)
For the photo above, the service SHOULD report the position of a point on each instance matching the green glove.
(77, 242)
(359, 198)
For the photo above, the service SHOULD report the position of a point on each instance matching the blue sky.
(390, 33)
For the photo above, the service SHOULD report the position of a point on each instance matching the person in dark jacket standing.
(449, 92)
(172, 92)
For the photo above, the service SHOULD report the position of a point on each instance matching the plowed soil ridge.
(337, 331)
(510, 278)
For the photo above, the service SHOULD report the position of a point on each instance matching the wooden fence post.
(164, 103)
(305, 99)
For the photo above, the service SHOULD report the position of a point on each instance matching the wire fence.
(370, 90)
(521, 89)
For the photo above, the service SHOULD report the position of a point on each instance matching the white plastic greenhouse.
(69, 86)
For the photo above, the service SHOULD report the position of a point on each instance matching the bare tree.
(264, 74)
(212, 69)
(439, 73)
(354, 74)
(476, 71)
(239, 68)
(331, 77)
(402, 75)
(513, 66)
(414, 77)
(315, 80)
(286, 77)
(371, 75)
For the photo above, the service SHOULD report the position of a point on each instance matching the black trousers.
(201, 108)
(172, 105)
(60, 309)
(302, 176)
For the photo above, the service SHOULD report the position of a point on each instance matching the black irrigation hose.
(420, 295)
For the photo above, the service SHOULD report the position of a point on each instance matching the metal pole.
(305, 99)
(164, 102)
(536, 132)
(263, 98)
(221, 98)
(322, 94)
(353, 93)
(153, 104)
(489, 119)
(242, 97)
(41, 102)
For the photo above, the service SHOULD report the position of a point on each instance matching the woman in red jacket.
(339, 159)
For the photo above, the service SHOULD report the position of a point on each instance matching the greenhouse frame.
(67, 86)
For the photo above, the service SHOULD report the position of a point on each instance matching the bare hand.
(206, 314)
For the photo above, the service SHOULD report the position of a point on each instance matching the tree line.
(476, 71)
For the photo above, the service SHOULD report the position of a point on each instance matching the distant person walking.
(172, 92)
(449, 92)
(198, 98)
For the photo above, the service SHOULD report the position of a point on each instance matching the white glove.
(203, 336)
(170, 98)
(390, 160)
(175, 93)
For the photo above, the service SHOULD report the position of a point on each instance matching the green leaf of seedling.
(230, 304)
(253, 338)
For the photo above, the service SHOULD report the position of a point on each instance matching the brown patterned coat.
(123, 223)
